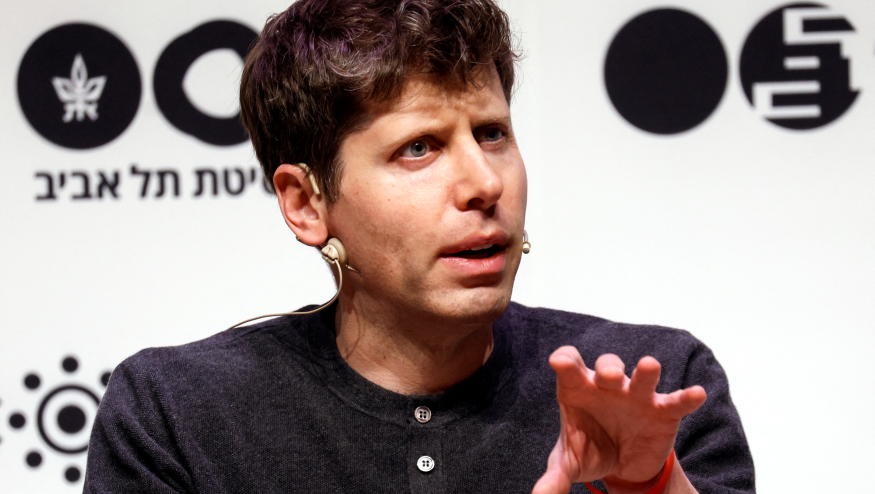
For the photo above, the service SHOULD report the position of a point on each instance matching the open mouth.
(477, 253)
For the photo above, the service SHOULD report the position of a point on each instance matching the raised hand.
(612, 427)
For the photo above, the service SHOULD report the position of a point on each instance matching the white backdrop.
(757, 238)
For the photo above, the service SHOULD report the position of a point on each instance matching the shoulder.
(226, 360)
(597, 331)
(163, 407)
(226, 347)
(548, 329)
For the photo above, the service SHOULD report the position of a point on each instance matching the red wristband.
(661, 483)
(664, 476)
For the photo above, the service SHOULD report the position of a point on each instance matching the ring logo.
(170, 71)
(79, 86)
(795, 66)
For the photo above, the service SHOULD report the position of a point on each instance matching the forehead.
(426, 96)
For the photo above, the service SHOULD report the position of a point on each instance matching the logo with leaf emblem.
(79, 93)
(79, 86)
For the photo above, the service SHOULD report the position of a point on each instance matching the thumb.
(554, 481)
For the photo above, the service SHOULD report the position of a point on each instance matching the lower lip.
(485, 266)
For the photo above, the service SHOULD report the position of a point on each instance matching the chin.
(474, 305)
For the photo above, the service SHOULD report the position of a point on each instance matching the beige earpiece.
(312, 178)
(333, 250)
(527, 246)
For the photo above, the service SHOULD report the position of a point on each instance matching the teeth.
(489, 246)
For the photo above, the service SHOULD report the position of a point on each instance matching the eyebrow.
(502, 118)
(433, 126)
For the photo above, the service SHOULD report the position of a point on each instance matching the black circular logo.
(79, 86)
(67, 405)
(795, 69)
(666, 71)
(170, 71)
(63, 417)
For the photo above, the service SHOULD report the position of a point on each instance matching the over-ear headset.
(334, 253)
(311, 177)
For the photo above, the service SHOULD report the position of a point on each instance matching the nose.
(479, 184)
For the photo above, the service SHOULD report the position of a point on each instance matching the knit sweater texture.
(273, 408)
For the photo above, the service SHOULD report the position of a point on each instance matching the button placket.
(426, 470)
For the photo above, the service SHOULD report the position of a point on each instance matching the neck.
(410, 354)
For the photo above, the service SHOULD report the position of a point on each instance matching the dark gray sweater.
(274, 408)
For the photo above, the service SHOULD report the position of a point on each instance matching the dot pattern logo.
(61, 418)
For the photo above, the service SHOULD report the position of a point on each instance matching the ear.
(303, 208)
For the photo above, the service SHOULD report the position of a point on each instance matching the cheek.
(523, 185)
(516, 185)
(379, 227)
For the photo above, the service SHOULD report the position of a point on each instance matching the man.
(385, 124)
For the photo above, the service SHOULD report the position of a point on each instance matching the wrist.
(656, 485)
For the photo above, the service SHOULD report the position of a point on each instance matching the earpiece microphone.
(334, 253)
(313, 183)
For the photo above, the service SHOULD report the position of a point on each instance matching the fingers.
(571, 372)
(610, 372)
(565, 356)
(680, 403)
(645, 377)
(685, 401)
(573, 375)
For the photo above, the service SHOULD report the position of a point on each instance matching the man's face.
(432, 203)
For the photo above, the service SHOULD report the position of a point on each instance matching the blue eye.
(492, 134)
(416, 149)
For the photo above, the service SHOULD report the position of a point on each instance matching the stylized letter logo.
(79, 93)
(795, 66)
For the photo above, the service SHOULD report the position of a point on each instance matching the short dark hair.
(314, 67)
